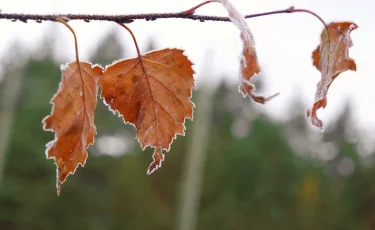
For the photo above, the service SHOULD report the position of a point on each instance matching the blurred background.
(240, 165)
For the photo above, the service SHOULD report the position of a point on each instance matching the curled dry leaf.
(153, 93)
(249, 65)
(331, 59)
(72, 118)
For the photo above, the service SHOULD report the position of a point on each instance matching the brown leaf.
(331, 59)
(72, 118)
(153, 95)
(249, 65)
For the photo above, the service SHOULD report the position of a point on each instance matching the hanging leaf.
(153, 93)
(331, 58)
(72, 118)
(249, 65)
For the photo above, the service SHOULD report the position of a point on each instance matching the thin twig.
(128, 17)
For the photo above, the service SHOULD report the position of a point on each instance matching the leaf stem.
(63, 21)
(192, 10)
(135, 43)
(293, 10)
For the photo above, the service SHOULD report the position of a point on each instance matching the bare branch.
(127, 18)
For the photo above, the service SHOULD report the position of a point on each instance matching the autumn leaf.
(249, 65)
(153, 93)
(72, 118)
(331, 59)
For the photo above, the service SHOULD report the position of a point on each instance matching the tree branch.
(128, 18)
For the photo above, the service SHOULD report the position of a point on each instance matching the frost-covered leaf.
(331, 58)
(72, 118)
(153, 93)
(249, 65)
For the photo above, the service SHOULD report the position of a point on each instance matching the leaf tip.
(313, 113)
(317, 122)
(156, 163)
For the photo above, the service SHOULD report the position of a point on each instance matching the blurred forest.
(256, 173)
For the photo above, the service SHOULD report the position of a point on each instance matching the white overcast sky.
(284, 43)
